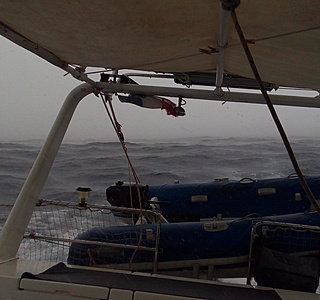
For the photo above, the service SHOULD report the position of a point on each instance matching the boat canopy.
(171, 36)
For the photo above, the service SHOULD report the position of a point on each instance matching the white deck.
(12, 288)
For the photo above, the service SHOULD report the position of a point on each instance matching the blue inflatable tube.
(230, 199)
(186, 241)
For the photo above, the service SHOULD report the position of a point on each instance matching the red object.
(169, 107)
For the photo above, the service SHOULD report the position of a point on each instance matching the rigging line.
(276, 36)
(273, 112)
(117, 127)
(162, 61)
(286, 34)
(108, 112)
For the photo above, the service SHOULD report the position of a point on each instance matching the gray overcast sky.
(32, 92)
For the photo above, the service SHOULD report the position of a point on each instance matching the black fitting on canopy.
(230, 4)
(104, 77)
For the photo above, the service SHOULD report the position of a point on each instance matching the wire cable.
(273, 111)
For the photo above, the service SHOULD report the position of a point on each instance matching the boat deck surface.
(126, 281)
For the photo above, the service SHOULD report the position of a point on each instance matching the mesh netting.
(56, 227)
(288, 238)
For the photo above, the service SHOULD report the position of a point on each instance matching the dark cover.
(285, 271)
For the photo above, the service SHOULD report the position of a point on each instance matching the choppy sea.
(101, 164)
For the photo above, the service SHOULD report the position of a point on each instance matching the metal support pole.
(222, 43)
(21, 213)
(111, 87)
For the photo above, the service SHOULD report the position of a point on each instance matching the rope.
(253, 41)
(273, 112)
(106, 98)
(117, 127)
(104, 209)
(287, 34)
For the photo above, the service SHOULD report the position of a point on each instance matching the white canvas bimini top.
(167, 35)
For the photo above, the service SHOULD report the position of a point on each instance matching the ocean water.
(101, 164)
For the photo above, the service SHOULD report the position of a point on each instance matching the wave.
(100, 164)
